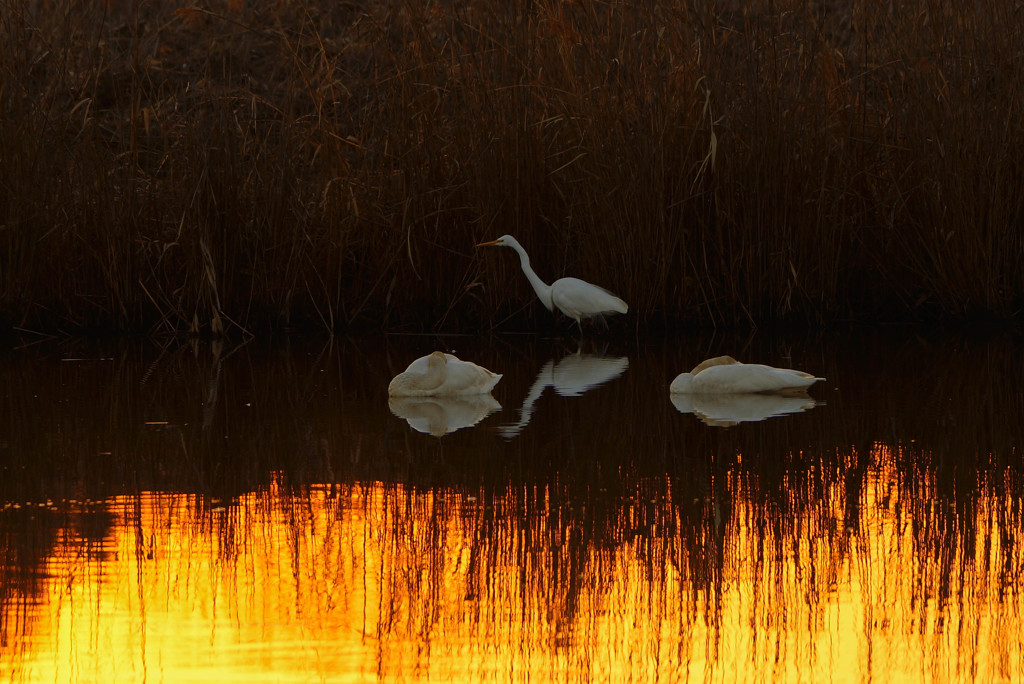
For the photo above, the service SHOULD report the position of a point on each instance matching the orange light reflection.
(373, 581)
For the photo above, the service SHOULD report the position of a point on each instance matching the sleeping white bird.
(726, 375)
(439, 374)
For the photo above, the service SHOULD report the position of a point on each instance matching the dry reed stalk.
(331, 166)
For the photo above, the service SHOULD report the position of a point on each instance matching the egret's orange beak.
(487, 244)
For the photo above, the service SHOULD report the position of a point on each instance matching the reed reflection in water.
(380, 581)
(874, 538)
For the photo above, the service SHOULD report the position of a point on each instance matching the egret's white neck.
(542, 289)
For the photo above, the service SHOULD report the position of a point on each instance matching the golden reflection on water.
(380, 581)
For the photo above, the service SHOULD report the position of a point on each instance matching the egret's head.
(503, 241)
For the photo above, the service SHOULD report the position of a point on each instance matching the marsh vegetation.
(205, 167)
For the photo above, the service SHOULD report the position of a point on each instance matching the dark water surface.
(260, 513)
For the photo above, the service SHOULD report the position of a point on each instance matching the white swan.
(439, 374)
(726, 375)
(576, 298)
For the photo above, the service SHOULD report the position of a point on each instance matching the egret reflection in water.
(439, 416)
(726, 410)
(571, 376)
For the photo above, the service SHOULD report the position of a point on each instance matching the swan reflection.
(439, 416)
(726, 410)
(571, 377)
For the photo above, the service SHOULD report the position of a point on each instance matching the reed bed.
(229, 166)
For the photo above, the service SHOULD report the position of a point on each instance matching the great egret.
(576, 298)
(726, 375)
(439, 374)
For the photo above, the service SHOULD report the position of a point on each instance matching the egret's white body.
(439, 374)
(576, 298)
(726, 375)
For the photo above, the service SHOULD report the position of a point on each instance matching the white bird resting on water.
(576, 298)
(439, 374)
(726, 375)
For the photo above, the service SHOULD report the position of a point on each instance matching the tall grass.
(232, 166)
